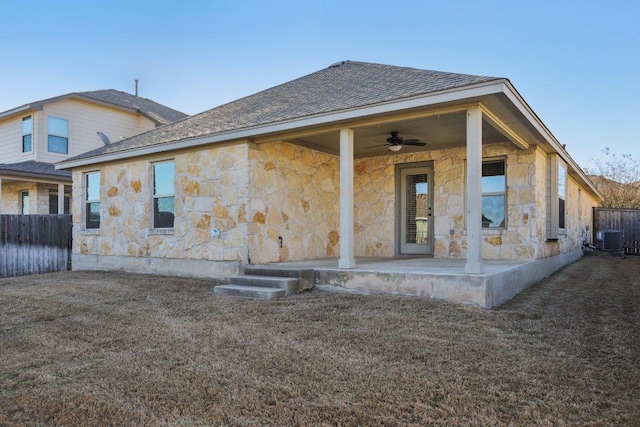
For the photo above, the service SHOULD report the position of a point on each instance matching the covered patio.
(444, 124)
(424, 276)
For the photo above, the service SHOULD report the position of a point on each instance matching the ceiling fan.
(395, 142)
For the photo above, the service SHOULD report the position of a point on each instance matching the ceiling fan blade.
(375, 146)
(415, 142)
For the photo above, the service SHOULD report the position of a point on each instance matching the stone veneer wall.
(375, 203)
(38, 197)
(210, 192)
(294, 193)
(578, 216)
(374, 206)
(11, 197)
(257, 194)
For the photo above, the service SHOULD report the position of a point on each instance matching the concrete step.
(289, 284)
(307, 276)
(249, 291)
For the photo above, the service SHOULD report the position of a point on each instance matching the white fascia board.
(17, 110)
(524, 108)
(34, 177)
(452, 95)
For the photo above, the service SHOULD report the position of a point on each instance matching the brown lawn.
(120, 349)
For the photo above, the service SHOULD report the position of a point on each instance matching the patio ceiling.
(440, 130)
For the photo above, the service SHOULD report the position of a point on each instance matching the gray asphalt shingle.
(33, 167)
(161, 114)
(342, 86)
(158, 112)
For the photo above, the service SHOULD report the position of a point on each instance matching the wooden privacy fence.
(31, 244)
(625, 220)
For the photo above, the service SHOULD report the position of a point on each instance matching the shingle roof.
(342, 86)
(32, 167)
(157, 112)
(161, 114)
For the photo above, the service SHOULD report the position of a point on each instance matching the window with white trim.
(562, 194)
(556, 196)
(57, 135)
(53, 203)
(27, 134)
(92, 200)
(494, 194)
(24, 202)
(163, 194)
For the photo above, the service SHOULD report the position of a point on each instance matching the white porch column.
(474, 191)
(347, 259)
(60, 199)
(1, 195)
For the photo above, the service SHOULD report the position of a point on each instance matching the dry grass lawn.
(119, 349)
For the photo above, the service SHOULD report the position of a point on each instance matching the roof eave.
(524, 108)
(445, 96)
(18, 110)
(40, 177)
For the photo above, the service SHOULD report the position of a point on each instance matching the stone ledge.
(161, 232)
(163, 266)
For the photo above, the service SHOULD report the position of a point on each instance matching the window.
(24, 202)
(494, 187)
(562, 193)
(556, 196)
(58, 135)
(92, 197)
(27, 134)
(53, 203)
(163, 194)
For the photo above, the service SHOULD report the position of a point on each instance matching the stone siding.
(294, 194)
(11, 197)
(210, 192)
(375, 202)
(280, 202)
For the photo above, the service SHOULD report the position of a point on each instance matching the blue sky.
(577, 63)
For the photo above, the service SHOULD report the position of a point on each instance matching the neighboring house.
(310, 169)
(36, 135)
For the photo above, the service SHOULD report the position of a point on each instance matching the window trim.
(22, 205)
(29, 117)
(562, 214)
(503, 160)
(66, 198)
(57, 136)
(553, 197)
(489, 230)
(87, 201)
(154, 196)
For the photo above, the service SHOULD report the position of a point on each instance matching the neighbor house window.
(57, 135)
(494, 187)
(24, 202)
(562, 194)
(27, 134)
(53, 203)
(163, 194)
(92, 200)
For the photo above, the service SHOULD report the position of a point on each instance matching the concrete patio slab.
(433, 278)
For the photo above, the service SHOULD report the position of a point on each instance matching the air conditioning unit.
(610, 241)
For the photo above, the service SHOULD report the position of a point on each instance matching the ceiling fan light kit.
(395, 142)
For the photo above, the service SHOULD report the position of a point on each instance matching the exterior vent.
(610, 241)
